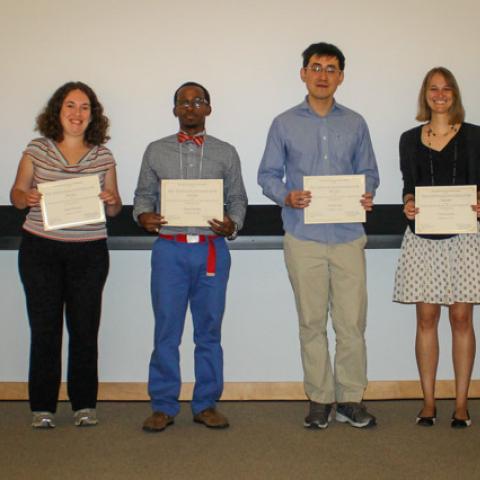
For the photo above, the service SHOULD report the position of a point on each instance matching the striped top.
(50, 165)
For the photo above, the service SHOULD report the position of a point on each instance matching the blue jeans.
(179, 278)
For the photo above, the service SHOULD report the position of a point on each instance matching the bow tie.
(196, 139)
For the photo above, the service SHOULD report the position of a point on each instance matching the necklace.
(454, 163)
(431, 132)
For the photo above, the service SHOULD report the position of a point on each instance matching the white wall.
(247, 53)
(260, 333)
(135, 54)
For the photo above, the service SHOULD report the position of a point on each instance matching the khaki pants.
(330, 278)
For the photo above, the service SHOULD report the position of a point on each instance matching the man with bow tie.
(190, 265)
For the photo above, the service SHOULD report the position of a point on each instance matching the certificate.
(191, 203)
(73, 202)
(335, 199)
(444, 210)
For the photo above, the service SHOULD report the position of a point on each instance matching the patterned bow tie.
(196, 139)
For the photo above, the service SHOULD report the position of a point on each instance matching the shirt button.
(325, 157)
(324, 138)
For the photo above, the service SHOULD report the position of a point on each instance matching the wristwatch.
(234, 234)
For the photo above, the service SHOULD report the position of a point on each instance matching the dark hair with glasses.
(191, 84)
(323, 49)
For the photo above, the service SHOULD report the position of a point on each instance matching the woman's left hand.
(109, 198)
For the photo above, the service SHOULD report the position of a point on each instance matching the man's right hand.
(298, 199)
(151, 222)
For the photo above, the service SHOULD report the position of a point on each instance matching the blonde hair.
(457, 112)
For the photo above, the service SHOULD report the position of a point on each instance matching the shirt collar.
(306, 106)
(199, 134)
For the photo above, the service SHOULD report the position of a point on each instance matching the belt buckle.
(193, 238)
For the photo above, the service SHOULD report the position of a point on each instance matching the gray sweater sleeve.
(147, 191)
(234, 191)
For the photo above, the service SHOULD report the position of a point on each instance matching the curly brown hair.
(48, 122)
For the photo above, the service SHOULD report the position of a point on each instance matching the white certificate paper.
(73, 202)
(191, 203)
(335, 199)
(445, 210)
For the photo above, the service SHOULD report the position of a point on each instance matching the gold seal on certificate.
(335, 199)
(72, 202)
(446, 210)
(191, 203)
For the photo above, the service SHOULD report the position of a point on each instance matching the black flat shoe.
(426, 421)
(461, 423)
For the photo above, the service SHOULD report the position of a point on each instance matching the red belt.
(212, 252)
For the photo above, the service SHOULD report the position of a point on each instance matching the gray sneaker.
(43, 420)
(86, 417)
(355, 414)
(319, 415)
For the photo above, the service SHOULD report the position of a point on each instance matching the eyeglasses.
(195, 103)
(317, 68)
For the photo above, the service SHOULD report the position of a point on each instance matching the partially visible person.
(64, 271)
(436, 270)
(325, 262)
(190, 265)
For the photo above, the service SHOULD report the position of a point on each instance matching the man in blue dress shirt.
(325, 262)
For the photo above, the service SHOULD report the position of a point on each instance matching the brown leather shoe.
(157, 422)
(211, 418)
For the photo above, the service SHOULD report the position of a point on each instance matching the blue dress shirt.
(301, 143)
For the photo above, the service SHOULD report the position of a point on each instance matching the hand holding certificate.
(70, 203)
(191, 203)
(446, 210)
(335, 199)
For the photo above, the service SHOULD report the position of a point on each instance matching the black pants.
(63, 276)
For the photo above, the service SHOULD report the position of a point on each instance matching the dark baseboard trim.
(262, 230)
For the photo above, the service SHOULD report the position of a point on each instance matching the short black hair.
(323, 49)
(191, 84)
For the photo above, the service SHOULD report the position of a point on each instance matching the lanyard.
(200, 169)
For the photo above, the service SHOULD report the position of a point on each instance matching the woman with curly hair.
(64, 270)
